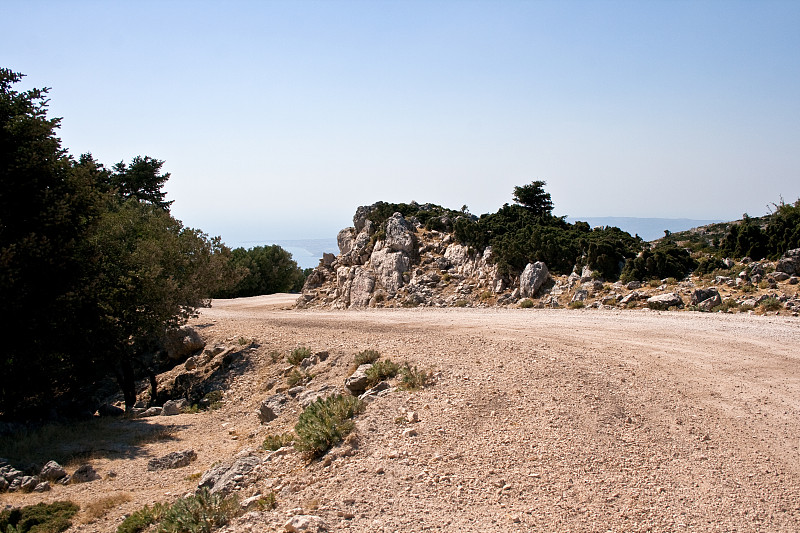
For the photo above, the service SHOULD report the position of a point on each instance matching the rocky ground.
(538, 419)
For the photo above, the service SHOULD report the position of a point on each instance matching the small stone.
(409, 432)
(84, 474)
(302, 523)
(412, 416)
(44, 486)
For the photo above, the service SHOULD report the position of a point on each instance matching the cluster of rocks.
(409, 266)
(13, 480)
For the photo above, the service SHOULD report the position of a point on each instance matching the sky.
(276, 119)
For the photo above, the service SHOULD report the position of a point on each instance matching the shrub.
(326, 422)
(142, 519)
(727, 306)
(770, 304)
(380, 371)
(276, 356)
(365, 357)
(40, 518)
(526, 303)
(460, 303)
(411, 378)
(298, 377)
(268, 502)
(276, 442)
(665, 261)
(200, 513)
(297, 355)
(577, 304)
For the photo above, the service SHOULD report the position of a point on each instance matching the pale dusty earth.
(537, 420)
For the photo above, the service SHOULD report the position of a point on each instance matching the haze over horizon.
(277, 119)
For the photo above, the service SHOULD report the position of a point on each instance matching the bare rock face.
(271, 408)
(52, 471)
(398, 235)
(389, 267)
(361, 288)
(532, 278)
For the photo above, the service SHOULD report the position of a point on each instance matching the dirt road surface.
(561, 420)
(538, 420)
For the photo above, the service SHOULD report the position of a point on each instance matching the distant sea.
(308, 252)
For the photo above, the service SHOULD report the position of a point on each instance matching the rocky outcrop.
(532, 278)
(665, 301)
(172, 460)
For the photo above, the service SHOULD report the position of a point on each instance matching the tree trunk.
(127, 383)
(153, 387)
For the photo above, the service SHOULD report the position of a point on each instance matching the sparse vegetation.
(275, 356)
(366, 357)
(298, 377)
(577, 304)
(770, 304)
(101, 507)
(380, 371)
(326, 422)
(412, 378)
(727, 306)
(40, 518)
(297, 355)
(142, 519)
(276, 442)
(199, 513)
(526, 303)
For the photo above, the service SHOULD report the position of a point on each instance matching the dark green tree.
(269, 269)
(533, 197)
(142, 180)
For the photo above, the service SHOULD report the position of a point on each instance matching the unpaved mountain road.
(554, 420)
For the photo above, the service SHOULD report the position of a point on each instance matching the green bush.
(326, 422)
(380, 371)
(771, 304)
(365, 357)
(526, 303)
(411, 378)
(577, 304)
(297, 355)
(276, 442)
(298, 377)
(40, 518)
(264, 270)
(665, 261)
(709, 265)
(201, 513)
(142, 519)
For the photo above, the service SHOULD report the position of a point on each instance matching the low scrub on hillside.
(40, 518)
(326, 422)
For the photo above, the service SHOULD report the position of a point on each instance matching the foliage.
(40, 518)
(666, 260)
(298, 377)
(757, 239)
(708, 265)
(577, 304)
(365, 356)
(93, 268)
(276, 442)
(101, 507)
(432, 217)
(200, 513)
(380, 371)
(326, 422)
(142, 519)
(533, 197)
(526, 303)
(412, 378)
(264, 270)
(521, 234)
(297, 355)
(770, 304)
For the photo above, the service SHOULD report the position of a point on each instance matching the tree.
(533, 197)
(268, 269)
(93, 268)
(142, 180)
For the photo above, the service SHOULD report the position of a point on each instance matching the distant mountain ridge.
(649, 229)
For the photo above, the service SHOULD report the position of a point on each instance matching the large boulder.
(84, 474)
(183, 342)
(701, 295)
(52, 471)
(229, 476)
(665, 301)
(399, 237)
(357, 382)
(271, 408)
(172, 460)
(532, 278)
(790, 262)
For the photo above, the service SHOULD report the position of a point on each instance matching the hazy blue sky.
(277, 119)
